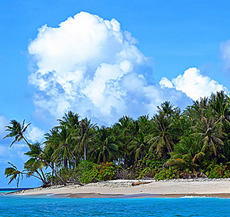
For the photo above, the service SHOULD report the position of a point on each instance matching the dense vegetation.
(171, 144)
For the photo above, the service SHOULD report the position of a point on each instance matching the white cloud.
(83, 65)
(165, 82)
(35, 134)
(193, 84)
(92, 67)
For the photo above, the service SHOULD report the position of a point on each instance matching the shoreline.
(148, 188)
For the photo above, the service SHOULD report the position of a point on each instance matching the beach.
(142, 188)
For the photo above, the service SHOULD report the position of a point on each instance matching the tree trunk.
(65, 163)
(52, 168)
(84, 151)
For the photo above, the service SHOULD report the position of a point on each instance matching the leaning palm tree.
(34, 165)
(17, 131)
(13, 173)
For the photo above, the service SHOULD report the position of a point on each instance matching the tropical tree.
(139, 146)
(106, 147)
(125, 130)
(63, 151)
(184, 155)
(84, 136)
(211, 135)
(34, 165)
(161, 138)
(17, 131)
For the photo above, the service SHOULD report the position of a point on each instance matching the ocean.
(48, 206)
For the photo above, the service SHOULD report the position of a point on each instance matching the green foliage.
(148, 167)
(219, 171)
(87, 172)
(169, 173)
(106, 171)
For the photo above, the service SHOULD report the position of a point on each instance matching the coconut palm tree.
(35, 164)
(211, 135)
(106, 147)
(125, 130)
(139, 146)
(63, 151)
(219, 103)
(185, 154)
(17, 131)
(161, 138)
(84, 136)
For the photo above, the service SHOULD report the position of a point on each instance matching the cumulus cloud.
(92, 67)
(35, 134)
(193, 84)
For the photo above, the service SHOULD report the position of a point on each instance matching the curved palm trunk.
(53, 170)
(42, 178)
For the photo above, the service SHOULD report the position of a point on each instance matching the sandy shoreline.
(124, 189)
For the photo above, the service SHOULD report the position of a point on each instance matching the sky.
(105, 59)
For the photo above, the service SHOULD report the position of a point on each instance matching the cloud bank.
(92, 67)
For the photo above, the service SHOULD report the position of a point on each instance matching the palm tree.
(13, 173)
(139, 146)
(125, 130)
(63, 151)
(106, 147)
(35, 164)
(219, 103)
(17, 131)
(166, 108)
(71, 122)
(84, 135)
(161, 138)
(211, 135)
(185, 154)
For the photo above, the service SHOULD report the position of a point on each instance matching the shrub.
(219, 171)
(149, 166)
(169, 173)
(106, 171)
(87, 172)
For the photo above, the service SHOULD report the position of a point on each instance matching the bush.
(106, 171)
(219, 171)
(87, 172)
(149, 166)
(169, 173)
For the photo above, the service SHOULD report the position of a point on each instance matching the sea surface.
(48, 206)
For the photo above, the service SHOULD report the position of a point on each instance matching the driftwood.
(139, 183)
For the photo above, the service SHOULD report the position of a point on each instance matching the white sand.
(124, 187)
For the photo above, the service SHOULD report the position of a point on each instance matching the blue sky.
(104, 59)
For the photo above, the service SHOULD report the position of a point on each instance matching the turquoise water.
(35, 206)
